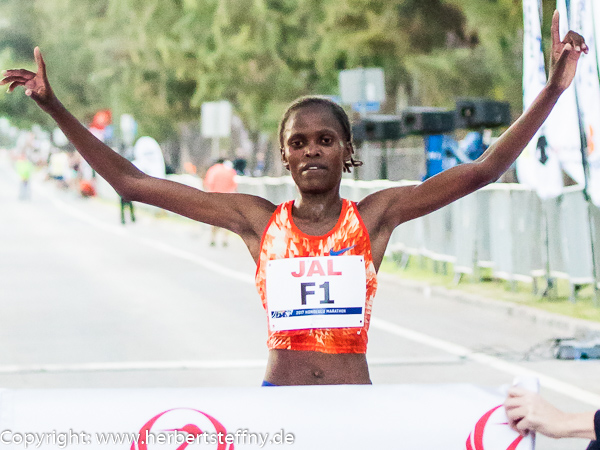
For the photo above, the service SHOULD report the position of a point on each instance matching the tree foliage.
(161, 59)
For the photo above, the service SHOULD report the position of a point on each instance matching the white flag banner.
(538, 166)
(587, 84)
(149, 157)
(462, 416)
(562, 126)
(594, 157)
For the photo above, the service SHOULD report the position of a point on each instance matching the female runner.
(317, 257)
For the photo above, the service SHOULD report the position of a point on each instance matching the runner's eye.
(326, 140)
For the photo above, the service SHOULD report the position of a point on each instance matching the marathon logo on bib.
(316, 292)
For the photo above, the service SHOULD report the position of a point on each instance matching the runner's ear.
(348, 150)
(284, 160)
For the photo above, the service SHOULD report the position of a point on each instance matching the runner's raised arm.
(389, 208)
(242, 214)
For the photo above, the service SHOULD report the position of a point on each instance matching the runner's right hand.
(36, 84)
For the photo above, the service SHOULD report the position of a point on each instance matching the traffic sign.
(362, 85)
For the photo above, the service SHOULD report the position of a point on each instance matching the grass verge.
(556, 299)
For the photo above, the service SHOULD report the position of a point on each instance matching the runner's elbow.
(130, 188)
(482, 175)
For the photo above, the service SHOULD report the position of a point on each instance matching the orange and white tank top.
(319, 260)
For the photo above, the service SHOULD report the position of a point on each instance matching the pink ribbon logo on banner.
(500, 429)
(160, 430)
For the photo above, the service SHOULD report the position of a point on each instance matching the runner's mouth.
(313, 167)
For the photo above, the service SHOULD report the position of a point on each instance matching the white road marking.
(135, 365)
(124, 366)
(495, 363)
(188, 256)
(512, 369)
(205, 263)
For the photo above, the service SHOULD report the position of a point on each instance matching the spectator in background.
(24, 168)
(127, 204)
(239, 164)
(58, 167)
(220, 177)
(86, 179)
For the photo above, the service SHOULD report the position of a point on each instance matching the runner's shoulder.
(249, 201)
(255, 209)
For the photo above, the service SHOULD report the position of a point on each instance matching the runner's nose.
(312, 149)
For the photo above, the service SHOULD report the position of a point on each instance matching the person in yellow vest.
(24, 168)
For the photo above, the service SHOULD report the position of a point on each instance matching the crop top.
(282, 239)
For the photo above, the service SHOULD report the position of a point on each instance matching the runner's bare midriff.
(291, 368)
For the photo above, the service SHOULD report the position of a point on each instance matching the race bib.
(316, 292)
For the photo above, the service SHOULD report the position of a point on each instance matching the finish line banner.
(449, 416)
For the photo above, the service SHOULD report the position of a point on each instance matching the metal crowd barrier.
(503, 227)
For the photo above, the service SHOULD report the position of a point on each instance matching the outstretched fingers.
(555, 29)
(18, 73)
(10, 78)
(15, 78)
(574, 39)
(14, 81)
(39, 60)
(565, 56)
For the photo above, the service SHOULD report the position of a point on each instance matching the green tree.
(161, 59)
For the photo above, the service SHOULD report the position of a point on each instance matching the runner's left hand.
(564, 57)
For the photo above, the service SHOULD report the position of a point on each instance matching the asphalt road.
(86, 302)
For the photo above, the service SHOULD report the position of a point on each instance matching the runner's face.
(314, 149)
